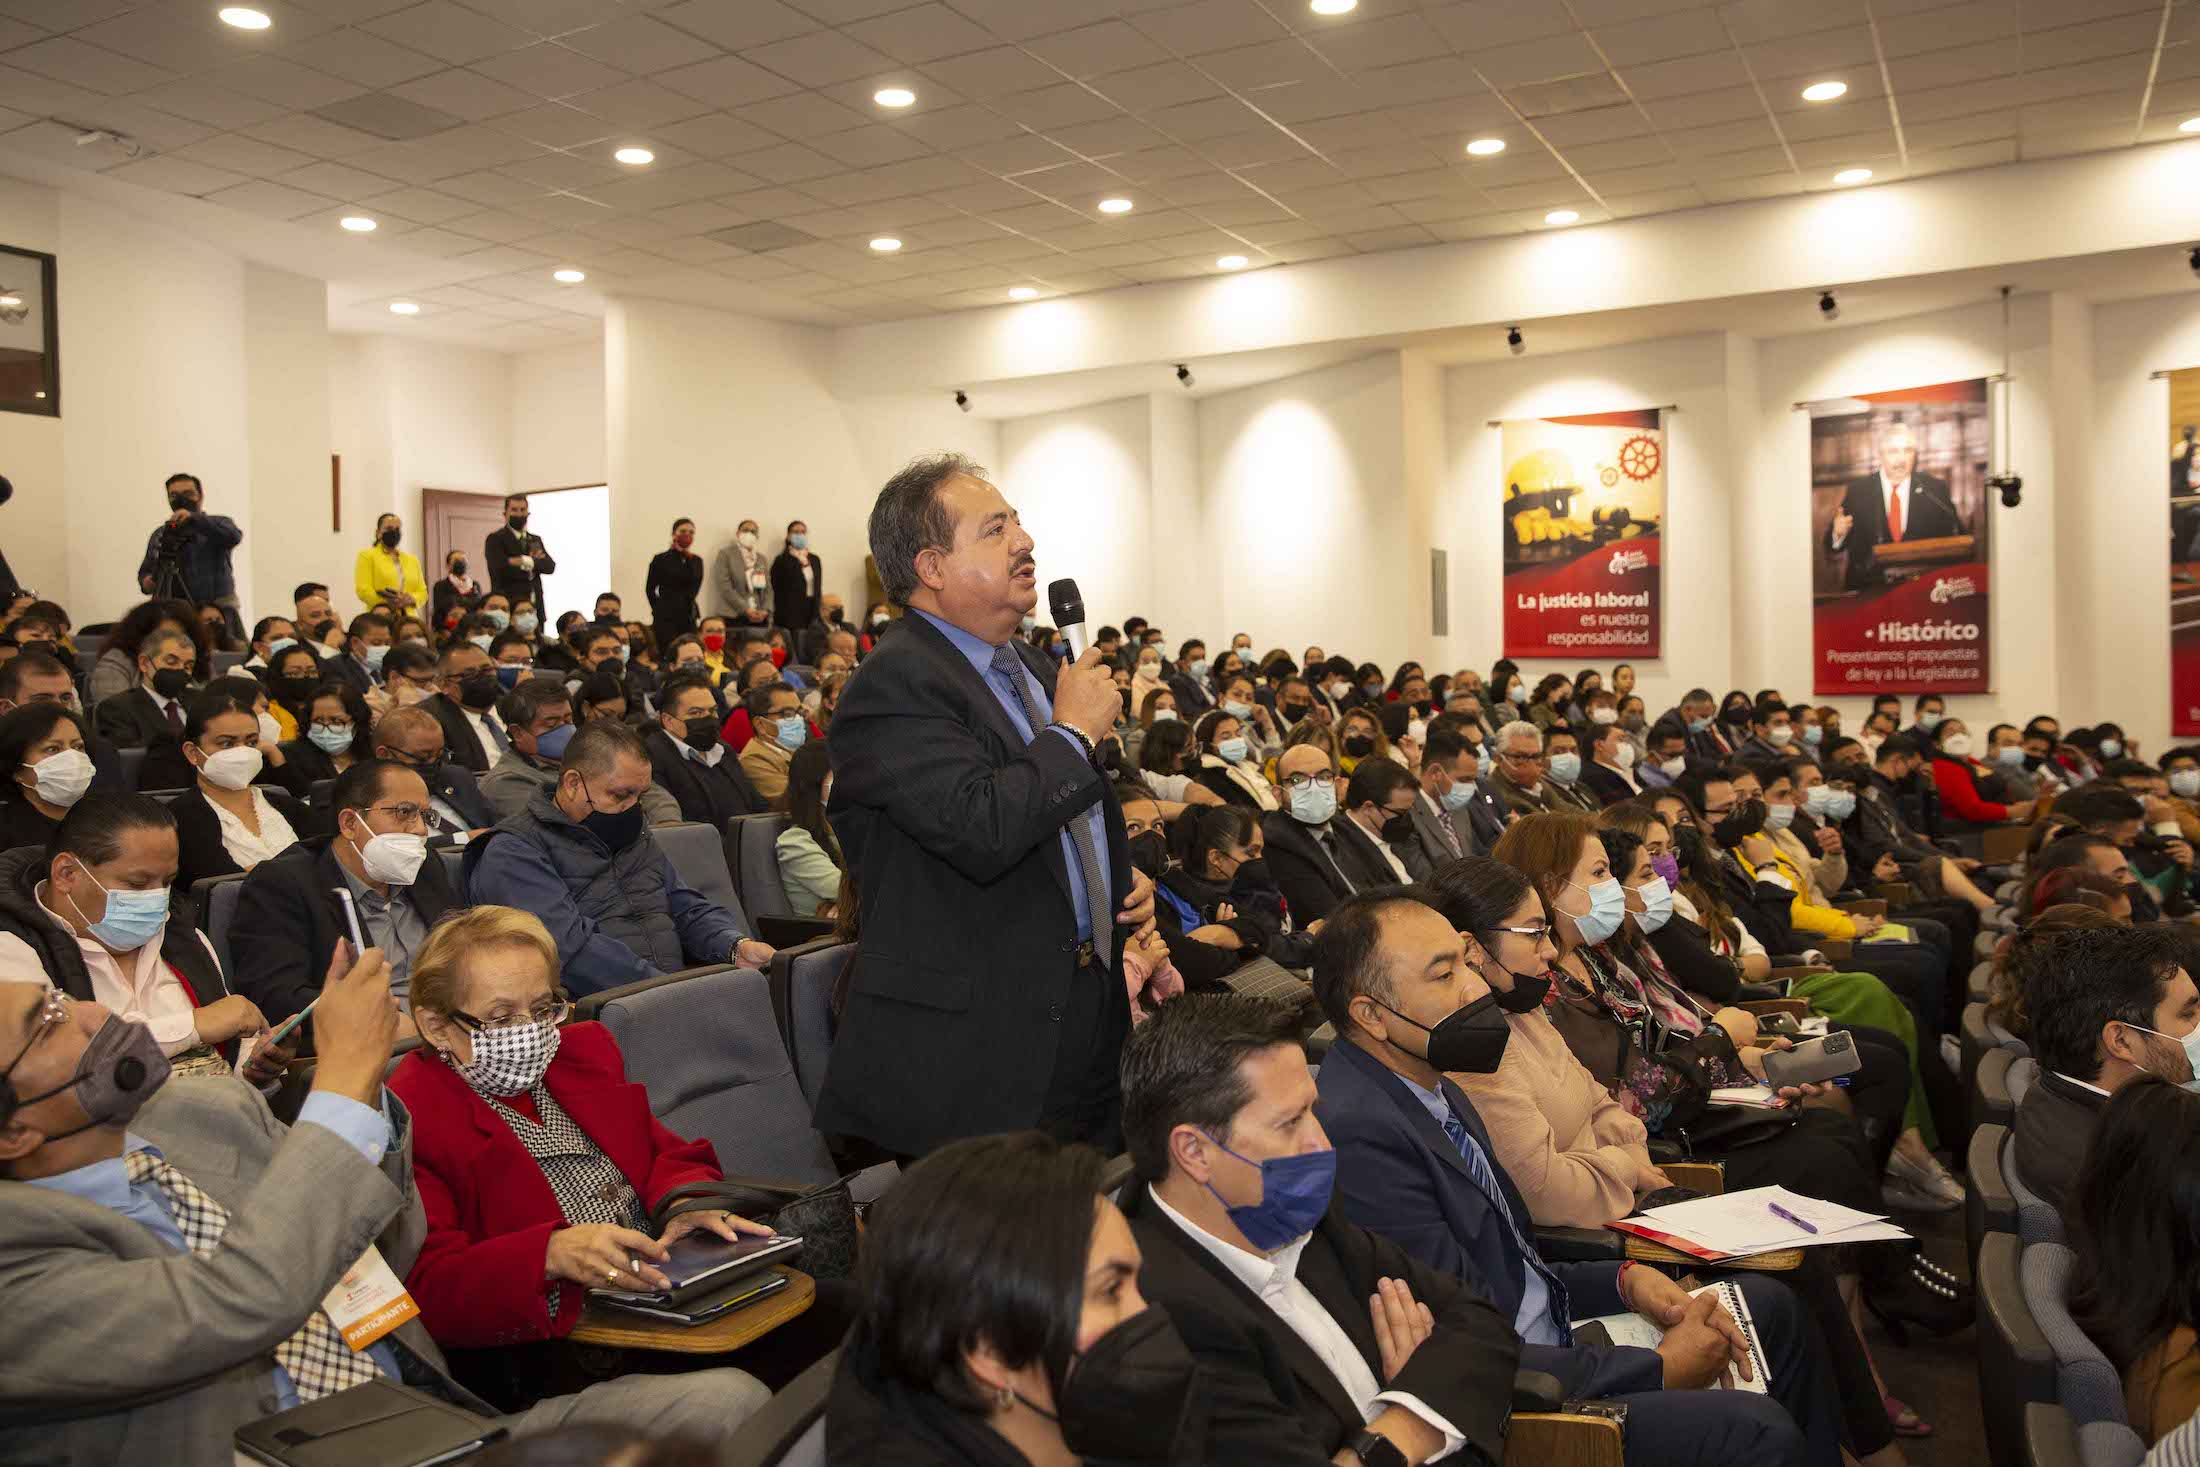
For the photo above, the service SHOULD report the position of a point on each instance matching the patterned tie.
(175, 717)
(1894, 513)
(1478, 1167)
(319, 1361)
(1011, 669)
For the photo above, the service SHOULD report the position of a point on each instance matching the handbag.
(823, 1215)
(1694, 1121)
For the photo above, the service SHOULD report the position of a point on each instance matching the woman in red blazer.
(1957, 775)
(539, 1163)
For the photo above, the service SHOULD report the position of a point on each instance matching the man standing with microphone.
(987, 853)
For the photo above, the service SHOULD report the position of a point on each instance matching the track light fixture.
(1828, 307)
(2194, 260)
(1515, 341)
(1184, 376)
(962, 400)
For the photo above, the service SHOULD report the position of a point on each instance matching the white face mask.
(63, 778)
(271, 732)
(1417, 730)
(1779, 737)
(393, 860)
(1603, 715)
(1675, 766)
(1623, 754)
(1958, 745)
(233, 769)
(746, 539)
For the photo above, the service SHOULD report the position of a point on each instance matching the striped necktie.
(1478, 1167)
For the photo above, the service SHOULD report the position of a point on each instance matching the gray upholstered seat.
(2038, 1220)
(802, 980)
(756, 847)
(790, 1430)
(711, 1057)
(1990, 1102)
(698, 853)
(1988, 1206)
(216, 898)
(2088, 1386)
(2013, 1354)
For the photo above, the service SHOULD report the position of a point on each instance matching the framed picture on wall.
(30, 338)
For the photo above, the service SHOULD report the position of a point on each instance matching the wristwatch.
(1373, 1449)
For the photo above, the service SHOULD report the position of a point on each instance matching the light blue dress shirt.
(1534, 1323)
(108, 1184)
(980, 655)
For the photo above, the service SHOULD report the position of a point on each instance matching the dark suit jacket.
(1369, 850)
(1310, 882)
(793, 606)
(454, 786)
(460, 745)
(1604, 783)
(951, 826)
(498, 548)
(131, 720)
(200, 852)
(706, 795)
(1270, 1398)
(1930, 513)
(287, 923)
(1399, 1176)
(2054, 1125)
(1192, 696)
(1486, 815)
(490, 1209)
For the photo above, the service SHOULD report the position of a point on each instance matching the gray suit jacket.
(731, 593)
(1430, 826)
(121, 1349)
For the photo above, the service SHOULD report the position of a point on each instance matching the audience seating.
(224, 663)
(1975, 1042)
(1991, 1104)
(2014, 1356)
(454, 868)
(132, 761)
(790, 1430)
(297, 1082)
(1988, 1204)
(216, 902)
(1116, 1176)
(699, 854)
(802, 980)
(2038, 1220)
(2088, 1386)
(2023, 1072)
(1981, 976)
(320, 792)
(751, 849)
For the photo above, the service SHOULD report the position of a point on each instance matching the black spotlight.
(1184, 376)
(1828, 307)
(1515, 341)
(962, 400)
(2011, 487)
(2194, 260)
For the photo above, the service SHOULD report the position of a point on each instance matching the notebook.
(1633, 1329)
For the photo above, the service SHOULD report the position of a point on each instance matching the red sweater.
(1959, 794)
(479, 1279)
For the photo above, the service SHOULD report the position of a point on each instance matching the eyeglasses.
(1536, 930)
(342, 725)
(551, 1013)
(56, 1010)
(404, 814)
(1297, 782)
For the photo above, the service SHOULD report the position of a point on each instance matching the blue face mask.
(329, 740)
(277, 647)
(1698, 725)
(134, 918)
(2190, 1044)
(375, 655)
(1314, 804)
(1607, 907)
(1232, 750)
(1459, 796)
(1813, 735)
(550, 747)
(1840, 805)
(1294, 1197)
(497, 619)
(1657, 904)
(799, 540)
(1238, 711)
(1565, 768)
(508, 675)
(1930, 721)
(791, 732)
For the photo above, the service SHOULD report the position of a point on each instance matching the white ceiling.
(479, 132)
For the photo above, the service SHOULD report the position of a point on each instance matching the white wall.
(557, 418)
(287, 369)
(1082, 481)
(1305, 516)
(1689, 372)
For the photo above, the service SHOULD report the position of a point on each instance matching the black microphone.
(1069, 615)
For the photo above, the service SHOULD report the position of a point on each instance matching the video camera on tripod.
(170, 542)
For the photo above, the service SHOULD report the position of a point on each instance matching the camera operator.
(187, 558)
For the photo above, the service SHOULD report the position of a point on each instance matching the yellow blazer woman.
(382, 570)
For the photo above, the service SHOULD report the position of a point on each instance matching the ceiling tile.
(464, 94)
(555, 125)
(1024, 153)
(787, 163)
(559, 170)
(867, 147)
(1662, 37)
(1710, 71)
(1386, 41)
(995, 72)
(959, 127)
(737, 24)
(1595, 125)
(284, 83)
(315, 135)
(244, 155)
(1154, 86)
(1092, 50)
(1536, 61)
(176, 176)
(165, 40)
(65, 59)
(1950, 67)
(388, 116)
(1210, 25)
(336, 181)
(717, 135)
(361, 57)
(203, 104)
(61, 15)
(846, 12)
(1700, 109)
(1108, 137)
(1481, 25)
(638, 103)
(1766, 20)
(818, 59)
(488, 187)
(1271, 63)
(421, 205)
(1598, 13)
(1811, 54)
(1245, 149)
(726, 82)
(640, 45)
(1049, 108)
(1191, 121)
(1307, 100)
(268, 200)
(921, 33)
(549, 70)
(448, 31)
(1960, 25)
(801, 115)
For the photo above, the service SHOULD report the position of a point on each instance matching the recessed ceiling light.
(358, 223)
(1333, 7)
(1824, 91)
(1232, 262)
(404, 308)
(1115, 206)
(635, 156)
(886, 244)
(569, 277)
(1023, 293)
(1852, 175)
(11, 301)
(893, 96)
(1562, 216)
(245, 18)
(2190, 124)
(1484, 147)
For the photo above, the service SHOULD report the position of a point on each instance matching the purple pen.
(1780, 1212)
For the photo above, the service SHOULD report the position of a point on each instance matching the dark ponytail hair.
(212, 704)
(1204, 829)
(1476, 894)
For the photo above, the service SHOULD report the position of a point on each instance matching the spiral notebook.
(1633, 1329)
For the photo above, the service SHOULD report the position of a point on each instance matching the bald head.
(1302, 759)
(410, 736)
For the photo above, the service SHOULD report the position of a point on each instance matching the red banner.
(1584, 509)
(1900, 563)
(2184, 552)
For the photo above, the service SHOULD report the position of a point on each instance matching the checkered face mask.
(508, 1060)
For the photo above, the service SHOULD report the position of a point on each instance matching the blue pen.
(1781, 1212)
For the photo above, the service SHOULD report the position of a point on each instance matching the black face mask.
(1470, 1042)
(181, 501)
(1746, 820)
(390, 538)
(1526, 995)
(171, 682)
(516, 521)
(1149, 853)
(480, 690)
(1398, 827)
(296, 690)
(702, 733)
(1293, 712)
(1129, 1396)
(458, 567)
(1358, 745)
(1252, 876)
(618, 831)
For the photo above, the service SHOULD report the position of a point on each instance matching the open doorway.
(574, 522)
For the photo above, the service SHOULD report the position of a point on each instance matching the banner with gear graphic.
(1584, 508)
(1899, 563)
(2184, 551)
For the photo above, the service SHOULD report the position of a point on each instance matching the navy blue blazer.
(1399, 1175)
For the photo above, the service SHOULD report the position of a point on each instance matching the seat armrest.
(1707, 1177)
(1794, 1007)
(1580, 1245)
(1546, 1439)
(1863, 907)
(1537, 1390)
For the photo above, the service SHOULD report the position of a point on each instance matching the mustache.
(1024, 562)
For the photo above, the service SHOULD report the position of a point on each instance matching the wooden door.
(455, 518)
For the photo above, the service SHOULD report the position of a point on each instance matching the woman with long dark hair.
(810, 863)
(45, 749)
(1002, 1326)
(2135, 1227)
(1217, 871)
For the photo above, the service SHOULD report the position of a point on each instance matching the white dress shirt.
(1396, 865)
(247, 849)
(480, 723)
(1275, 1278)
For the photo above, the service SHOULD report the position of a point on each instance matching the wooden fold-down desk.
(602, 1325)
